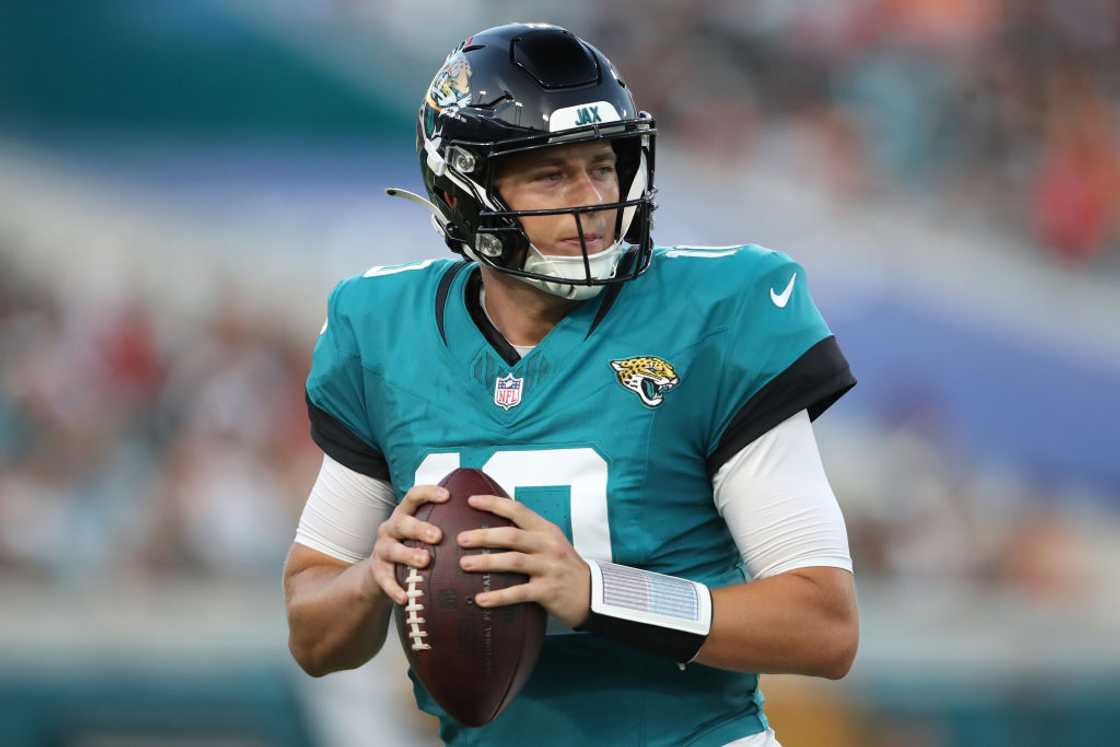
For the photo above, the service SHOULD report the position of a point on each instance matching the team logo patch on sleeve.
(647, 376)
(507, 391)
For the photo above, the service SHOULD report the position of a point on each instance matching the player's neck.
(523, 314)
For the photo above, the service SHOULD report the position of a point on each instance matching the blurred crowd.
(134, 444)
(131, 445)
(134, 441)
(919, 509)
(1004, 111)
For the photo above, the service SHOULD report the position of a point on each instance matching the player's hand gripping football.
(559, 579)
(403, 525)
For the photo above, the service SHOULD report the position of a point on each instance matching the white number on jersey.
(583, 471)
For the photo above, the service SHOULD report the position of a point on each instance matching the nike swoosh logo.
(780, 300)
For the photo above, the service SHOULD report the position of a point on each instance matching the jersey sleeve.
(779, 358)
(336, 396)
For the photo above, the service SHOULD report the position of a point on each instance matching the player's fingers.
(391, 551)
(510, 538)
(383, 575)
(404, 526)
(518, 513)
(515, 562)
(421, 494)
(509, 595)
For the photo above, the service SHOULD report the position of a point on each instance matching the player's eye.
(603, 172)
(548, 177)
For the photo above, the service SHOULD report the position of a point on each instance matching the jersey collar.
(466, 330)
(481, 319)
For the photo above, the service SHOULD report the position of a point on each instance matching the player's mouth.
(593, 242)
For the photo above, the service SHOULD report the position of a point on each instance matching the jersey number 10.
(583, 471)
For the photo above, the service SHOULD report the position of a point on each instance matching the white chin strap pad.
(603, 264)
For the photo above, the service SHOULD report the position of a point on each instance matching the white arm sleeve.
(343, 512)
(778, 504)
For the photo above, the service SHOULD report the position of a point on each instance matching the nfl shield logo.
(507, 391)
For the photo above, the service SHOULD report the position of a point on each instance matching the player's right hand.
(403, 525)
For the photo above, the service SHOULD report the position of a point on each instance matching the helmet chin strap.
(555, 265)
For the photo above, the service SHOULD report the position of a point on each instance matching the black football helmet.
(520, 88)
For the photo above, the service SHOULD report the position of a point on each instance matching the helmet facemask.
(499, 237)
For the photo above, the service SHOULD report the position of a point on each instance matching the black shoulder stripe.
(442, 291)
(815, 380)
(340, 444)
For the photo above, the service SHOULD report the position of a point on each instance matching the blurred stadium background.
(182, 183)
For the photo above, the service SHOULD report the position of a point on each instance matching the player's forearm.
(802, 622)
(337, 619)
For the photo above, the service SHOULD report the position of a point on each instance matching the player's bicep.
(778, 504)
(343, 512)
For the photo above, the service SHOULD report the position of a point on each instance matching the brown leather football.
(473, 660)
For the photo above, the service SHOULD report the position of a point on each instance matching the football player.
(650, 408)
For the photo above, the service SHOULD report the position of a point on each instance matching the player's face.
(563, 176)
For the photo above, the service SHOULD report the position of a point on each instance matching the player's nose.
(585, 191)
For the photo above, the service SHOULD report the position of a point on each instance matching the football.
(472, 660)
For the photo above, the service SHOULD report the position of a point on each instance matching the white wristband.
(633, 594)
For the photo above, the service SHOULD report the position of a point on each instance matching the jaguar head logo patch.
(451, 88)
(647, 376)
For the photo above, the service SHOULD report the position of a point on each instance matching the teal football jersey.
(611, 427)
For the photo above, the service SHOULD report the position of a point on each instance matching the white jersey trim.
(778, 504)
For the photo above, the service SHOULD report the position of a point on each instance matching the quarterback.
(648, 407)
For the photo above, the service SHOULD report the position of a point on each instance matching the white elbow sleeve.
(778, 504)
(343, 512)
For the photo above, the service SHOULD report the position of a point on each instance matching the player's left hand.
(559, 579)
